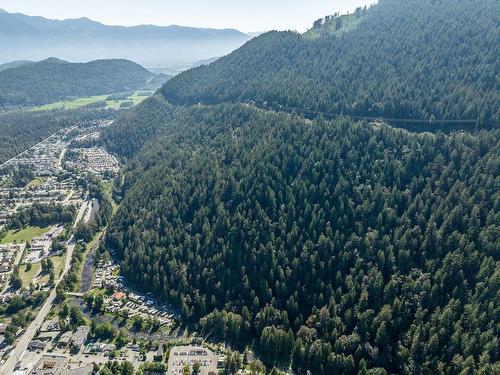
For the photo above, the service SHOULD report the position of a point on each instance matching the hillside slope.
(333, 245)
(337, 247)
(14, 64)
(403, 59)
(52, 79)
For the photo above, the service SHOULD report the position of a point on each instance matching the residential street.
(23, 342)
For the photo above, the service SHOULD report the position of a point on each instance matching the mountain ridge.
(89, 21)
(15, 64)
(357, 70)
(25, 37)
(53, 79)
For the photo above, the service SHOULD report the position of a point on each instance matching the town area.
(65, 307)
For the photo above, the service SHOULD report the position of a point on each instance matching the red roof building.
(118, 296)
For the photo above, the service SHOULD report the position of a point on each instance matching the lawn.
(37, 182)
(72, 104)
(23, 235)
(58, 266)
(108, 188)
(137, 98)
(81, 102)
(28, 276)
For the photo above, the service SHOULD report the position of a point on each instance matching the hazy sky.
(245, 15)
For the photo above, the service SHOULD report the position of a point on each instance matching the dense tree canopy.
(333, 246)
(52, 80)
(330, 243)
(43, 215)
(134, 128)
(400, 58)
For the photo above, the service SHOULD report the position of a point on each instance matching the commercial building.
(79, 338)
(182, 356)
(50, 365)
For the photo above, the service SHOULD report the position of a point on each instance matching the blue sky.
(245, 15)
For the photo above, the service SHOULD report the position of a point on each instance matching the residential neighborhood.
(65, 307)
(42, 204)
(95, 160)
(64, 333)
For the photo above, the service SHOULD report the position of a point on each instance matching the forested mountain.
(14, 64)
(337, 247)
(53, 79)
(333, 244)
(36, 38)
(409, 59)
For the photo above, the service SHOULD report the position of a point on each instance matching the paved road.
(68, 197)
(80, 213)
(61, 157)
(22, 344)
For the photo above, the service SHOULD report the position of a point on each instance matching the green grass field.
(81, 102)
(23, 235)
(37, 182)
(108, 188)
(28, 276)
(58, 266)
(71, 104)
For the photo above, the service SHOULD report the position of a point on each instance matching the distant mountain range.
(198, 63)
(35, 38)
(14, 64)
(25, 83)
